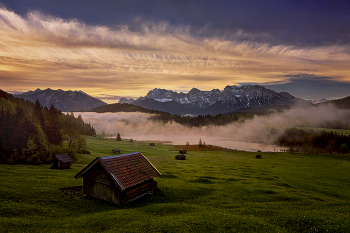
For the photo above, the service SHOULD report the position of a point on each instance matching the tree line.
(200, 120)
(314, 141)
(32, 134)
(124, 108)
(165, 117)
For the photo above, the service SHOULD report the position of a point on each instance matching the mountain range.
(65, 101)
(233, 99)
(197, 102)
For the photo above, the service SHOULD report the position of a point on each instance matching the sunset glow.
(42, 51)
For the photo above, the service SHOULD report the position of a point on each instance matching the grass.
(210, 191)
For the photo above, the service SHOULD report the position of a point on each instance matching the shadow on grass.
(172, 196)
(202, 181)
(169, 175)
(306, 224)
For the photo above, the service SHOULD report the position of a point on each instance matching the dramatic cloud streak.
(40, 51)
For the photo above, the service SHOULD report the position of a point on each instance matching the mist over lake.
(138, 127)
(255, 134)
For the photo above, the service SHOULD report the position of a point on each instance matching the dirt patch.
(75, 192)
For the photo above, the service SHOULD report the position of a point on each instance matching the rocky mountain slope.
(215, 101)
(66, 101)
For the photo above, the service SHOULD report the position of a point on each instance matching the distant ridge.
(116, 107)
(318, 101)
(65, 101)
(343, 103)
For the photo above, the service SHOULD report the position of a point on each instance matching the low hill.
(125, 108)
(65, 101)
(343, 103)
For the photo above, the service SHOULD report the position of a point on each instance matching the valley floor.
(211, 191)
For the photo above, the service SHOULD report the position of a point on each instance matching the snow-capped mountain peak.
(216, 101)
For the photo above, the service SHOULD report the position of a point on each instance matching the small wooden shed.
(117, 151)
(61, 161)
(119, 179)
(180, 157)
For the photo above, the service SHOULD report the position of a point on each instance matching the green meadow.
(210, 191)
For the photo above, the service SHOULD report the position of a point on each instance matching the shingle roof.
(126, 170)
(64, 158)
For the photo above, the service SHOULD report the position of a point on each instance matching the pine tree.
(53, 127)
(200, 142)
(38, 113)
(118, 137)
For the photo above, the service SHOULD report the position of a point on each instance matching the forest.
(198, 121)
(32, 134)
(125, 108)
(312, 141)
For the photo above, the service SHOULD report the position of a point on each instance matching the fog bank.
(258, 133)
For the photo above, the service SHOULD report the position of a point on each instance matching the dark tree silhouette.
(118, 137)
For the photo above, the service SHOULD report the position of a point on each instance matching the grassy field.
(211, 191)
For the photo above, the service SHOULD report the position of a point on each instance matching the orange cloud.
(40, 51)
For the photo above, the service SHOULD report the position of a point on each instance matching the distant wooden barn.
(180, 157)
(61, 161)
(117, 151)
(119, 179)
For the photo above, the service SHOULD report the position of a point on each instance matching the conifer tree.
(38, 113)
(200, 142)
(53, 127)
(118, 137)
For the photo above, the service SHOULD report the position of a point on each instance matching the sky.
(111, 49)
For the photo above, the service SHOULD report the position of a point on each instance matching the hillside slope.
(65, 101)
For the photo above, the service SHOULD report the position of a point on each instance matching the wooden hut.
(61, 161)
(119, 179)
(117, 151)
(180, 157)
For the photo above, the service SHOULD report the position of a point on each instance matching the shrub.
(83, 151)
(343, 149)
